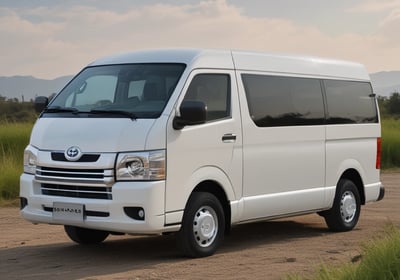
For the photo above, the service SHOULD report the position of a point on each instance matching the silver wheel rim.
(205, 226)
(348, 206)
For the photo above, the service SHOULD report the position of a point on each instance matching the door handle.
(229, 138)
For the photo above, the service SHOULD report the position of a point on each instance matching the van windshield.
(128, 90)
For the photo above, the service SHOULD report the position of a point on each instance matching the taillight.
(378, 153)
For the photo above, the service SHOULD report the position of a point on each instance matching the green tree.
(393, 104)
(11, 110)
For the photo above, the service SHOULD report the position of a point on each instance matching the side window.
(284, 101)
(214, 91)
(350, 102)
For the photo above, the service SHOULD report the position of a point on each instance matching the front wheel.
(203, 226)
(85, 235)
(344, 214)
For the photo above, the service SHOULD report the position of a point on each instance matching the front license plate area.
(68, 212)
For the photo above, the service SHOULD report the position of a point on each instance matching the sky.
(51, 38)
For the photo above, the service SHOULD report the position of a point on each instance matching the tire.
(203, 226)
(85, 236)
(344, 214)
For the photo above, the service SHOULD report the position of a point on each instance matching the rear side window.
(350, 102)
(284, 101)
(214, 91)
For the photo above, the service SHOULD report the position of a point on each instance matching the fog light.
(136, 213)
(141, 213)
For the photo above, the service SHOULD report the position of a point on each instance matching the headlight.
(141, 166)
(30, 159)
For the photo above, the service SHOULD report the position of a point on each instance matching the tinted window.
(350, 102)
(214, 91)
(284, 101)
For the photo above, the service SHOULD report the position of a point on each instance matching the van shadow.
(278, 231)
(71, 261)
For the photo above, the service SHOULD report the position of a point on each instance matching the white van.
(195, 141)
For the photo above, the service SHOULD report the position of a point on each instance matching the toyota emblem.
(73, 153)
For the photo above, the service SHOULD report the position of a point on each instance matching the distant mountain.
(384, 84)
(29, 87)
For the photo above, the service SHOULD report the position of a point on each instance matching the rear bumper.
(374, 192)
(381, 193)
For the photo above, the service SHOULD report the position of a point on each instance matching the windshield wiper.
(130, 115)
(58, 109)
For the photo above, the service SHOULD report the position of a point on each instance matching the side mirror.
(192, 112)
(41, 102)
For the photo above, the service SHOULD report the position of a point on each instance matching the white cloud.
(388, 27)
(393, 19)
(49, 42)
(374, 6)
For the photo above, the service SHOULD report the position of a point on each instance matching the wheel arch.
(213, 187)
(354, 176)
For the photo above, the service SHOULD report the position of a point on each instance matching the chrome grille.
(77, 191)
(78, 183)
(81, 177)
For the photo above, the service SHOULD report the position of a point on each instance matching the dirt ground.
(267, 250)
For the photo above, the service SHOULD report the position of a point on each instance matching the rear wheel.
(344, 214)
(84, 235)
(203, 226)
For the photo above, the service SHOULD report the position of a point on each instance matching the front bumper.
(103, 214)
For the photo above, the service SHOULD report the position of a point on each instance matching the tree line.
(12, 110)
(390, 106)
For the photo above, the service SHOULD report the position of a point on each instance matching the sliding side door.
(283, 145)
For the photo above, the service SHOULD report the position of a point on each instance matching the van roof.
(244, 61)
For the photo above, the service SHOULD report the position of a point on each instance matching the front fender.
(205, 173)
(209, 173)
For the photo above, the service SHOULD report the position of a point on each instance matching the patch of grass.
(380, 259)
(13, 139)
(390, 143)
